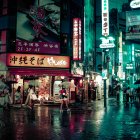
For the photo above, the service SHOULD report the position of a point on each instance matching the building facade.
(37, 45)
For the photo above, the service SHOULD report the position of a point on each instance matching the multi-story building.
(124, 27)
(37, 44)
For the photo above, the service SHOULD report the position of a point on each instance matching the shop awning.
(39, 72)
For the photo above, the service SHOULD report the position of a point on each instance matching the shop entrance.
(42, 87)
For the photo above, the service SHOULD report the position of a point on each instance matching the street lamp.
(104, 77)
(106, 45)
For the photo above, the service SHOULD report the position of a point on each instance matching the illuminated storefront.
(33, 49)
(44, 72)
(36, 58)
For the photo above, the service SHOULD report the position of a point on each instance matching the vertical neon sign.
(80, 39)
(105, 18)
(76, 39)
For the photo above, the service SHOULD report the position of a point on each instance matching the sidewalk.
(73, 106)
(111, 101)
(91, 121)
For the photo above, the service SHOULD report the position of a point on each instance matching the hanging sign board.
(107, 46)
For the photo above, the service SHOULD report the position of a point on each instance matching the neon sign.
(105, 18)
(76, 39)
(107, 42)
(135, 4)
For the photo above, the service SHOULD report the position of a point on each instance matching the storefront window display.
(19, 82)
(65, 83)
(41, 87)
(44, 90)
(46, 87)
(56, 89)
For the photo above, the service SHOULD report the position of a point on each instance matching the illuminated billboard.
(133, 24)
(38, 21)
(34, 60)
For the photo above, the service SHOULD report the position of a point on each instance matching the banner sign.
(33, 60)
(37, 47)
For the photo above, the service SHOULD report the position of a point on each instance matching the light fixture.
(62, 77)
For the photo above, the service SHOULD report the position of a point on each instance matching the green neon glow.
(89, 23)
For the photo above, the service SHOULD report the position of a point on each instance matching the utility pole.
(105, 93)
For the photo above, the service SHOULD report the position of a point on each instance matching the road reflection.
(48, 123)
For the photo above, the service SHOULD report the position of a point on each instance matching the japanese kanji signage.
(76, 39)
(33, 60)
(105, 18)
(37, 47)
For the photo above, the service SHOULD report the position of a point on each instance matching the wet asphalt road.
(116, 122)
